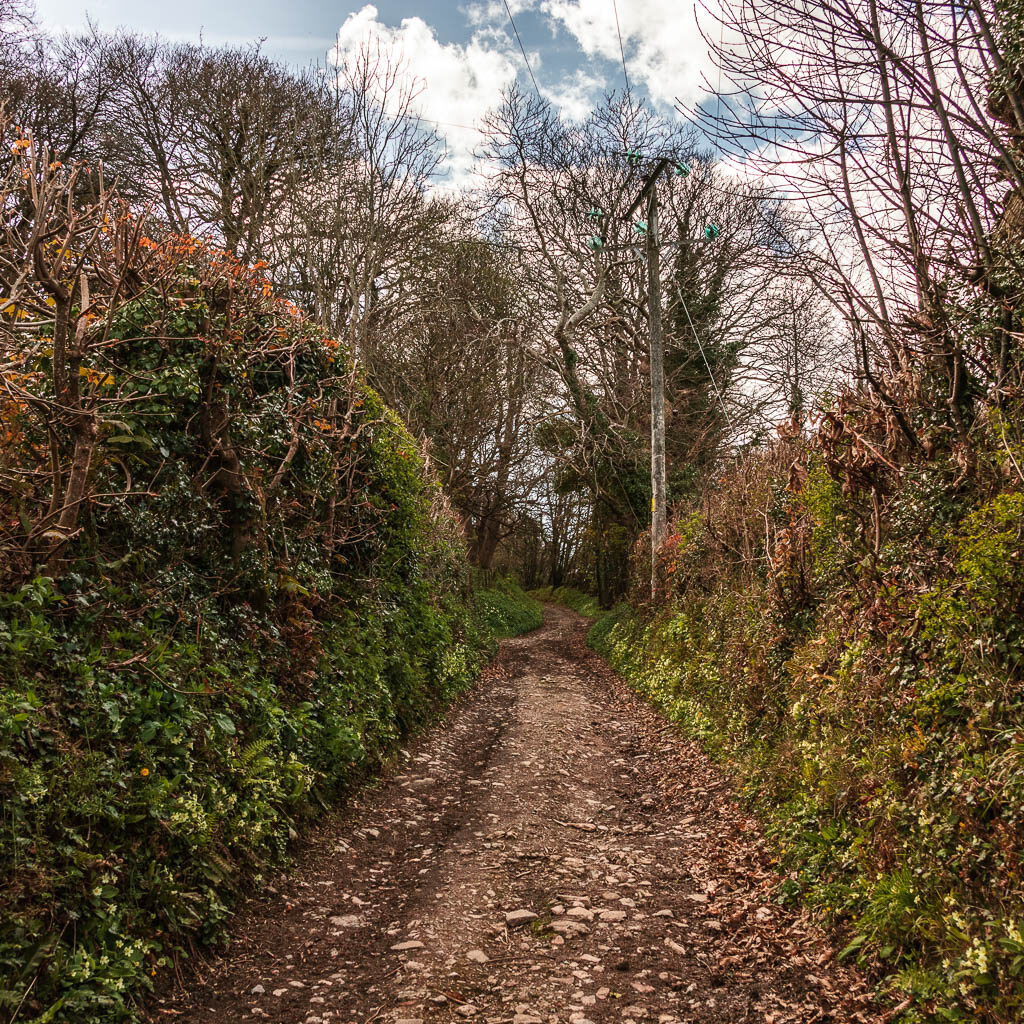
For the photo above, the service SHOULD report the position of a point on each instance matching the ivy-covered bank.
(868, 702)
(507, 610)
(572, 598)
(263, 592)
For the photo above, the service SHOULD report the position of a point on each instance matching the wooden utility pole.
(659, 512)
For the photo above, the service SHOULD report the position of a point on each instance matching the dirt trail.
(551, 853)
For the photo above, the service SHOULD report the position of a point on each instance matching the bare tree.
(456, 364)
(799, 360)
(228, 130)
(62, 90)
(17, 26)
(558, 191)
(894, 129)
(348, 232)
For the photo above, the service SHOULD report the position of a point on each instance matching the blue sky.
(461, 55)
(298, 31)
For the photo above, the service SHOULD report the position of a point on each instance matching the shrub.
(265, 592)
(862, 682)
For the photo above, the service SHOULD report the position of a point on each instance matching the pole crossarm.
(648, 184)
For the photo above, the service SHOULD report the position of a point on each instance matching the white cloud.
(456, 84)
(665, 53)
(574, 95)
(663, 45)
(459, 82)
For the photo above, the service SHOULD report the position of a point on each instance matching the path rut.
(553, 852)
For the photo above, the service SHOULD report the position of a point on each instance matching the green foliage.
(869, 707)
(597, 636)
(507, 610)
(216, 658)
(571, 598)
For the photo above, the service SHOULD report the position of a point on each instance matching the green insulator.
(711, 231)
(596, 242)
(633, 157)
(681, 169)
(640, 227)
(596, 213)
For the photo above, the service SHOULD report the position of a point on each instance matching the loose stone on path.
(515, 917)
(553, 853)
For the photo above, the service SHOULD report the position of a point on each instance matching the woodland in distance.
(290, 435)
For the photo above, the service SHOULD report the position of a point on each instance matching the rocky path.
(551, 853)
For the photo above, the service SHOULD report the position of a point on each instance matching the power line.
(721, 41)
(696, 337)
(625, 73)
(434, 120)
(522, 50)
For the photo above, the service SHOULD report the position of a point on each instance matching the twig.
(583, 826)
(895, 1012)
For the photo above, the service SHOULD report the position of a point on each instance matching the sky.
(461, 54)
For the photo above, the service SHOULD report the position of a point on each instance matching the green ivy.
(208, 669)
(507, 610)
